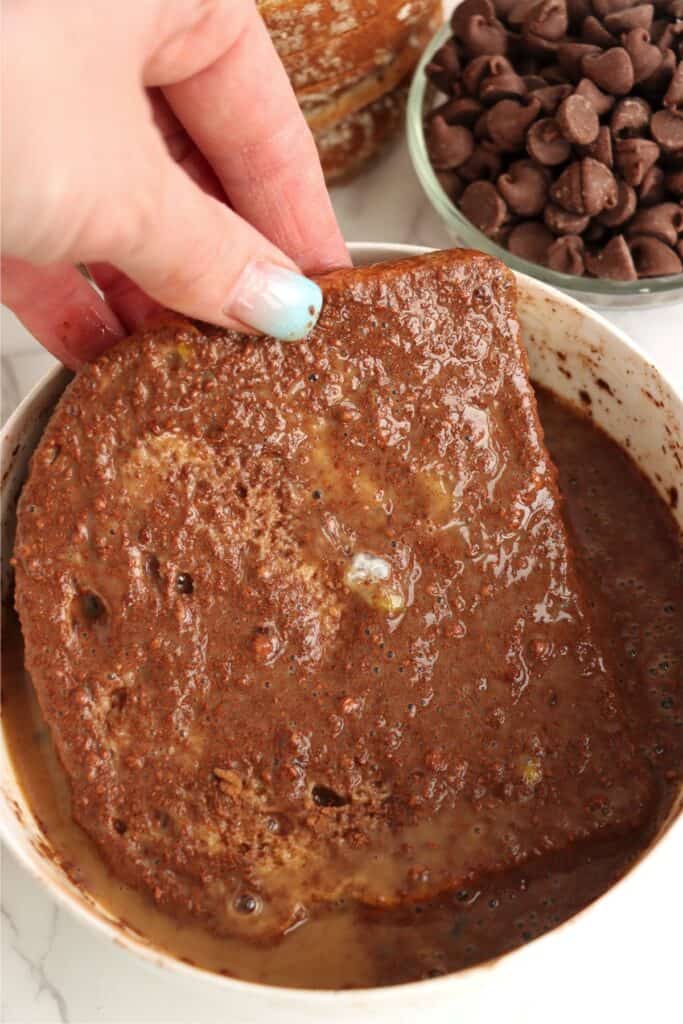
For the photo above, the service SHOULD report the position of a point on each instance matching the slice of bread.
(296, 25)
(325, 108)
(359, 52)
(351, 143)
(412, 42)
(304, 619)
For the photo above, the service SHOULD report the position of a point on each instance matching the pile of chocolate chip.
(561, 137)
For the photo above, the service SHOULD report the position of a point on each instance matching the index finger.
(243, 115)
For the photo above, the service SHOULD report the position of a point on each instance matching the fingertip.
(61, 309)
(276, 301)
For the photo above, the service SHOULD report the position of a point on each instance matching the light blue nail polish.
(276, 301)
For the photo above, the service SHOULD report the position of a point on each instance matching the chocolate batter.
(631, 554)
(300, 678)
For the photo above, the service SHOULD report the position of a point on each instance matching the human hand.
(159, 142)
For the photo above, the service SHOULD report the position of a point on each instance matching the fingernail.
(276, 301)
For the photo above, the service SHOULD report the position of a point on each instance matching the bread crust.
(353, 142)
(377, 60)
(327, 108)
(359, 52)
(295, 25)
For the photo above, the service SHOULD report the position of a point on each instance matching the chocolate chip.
(667, 130)
(673, 97)
(658, 81)
(463, 110)
(481, 127)
(534, 82)
(566, 255)
(668, 39)
(595, 232)
(502, 87)
(519, 12)
(184, 583)
(568, 189)
(674, 183)
(479, 69)
(464, 11)
(653, 187)
(599, 187)
(600, 100)
(550, 96)
(614, 261)
(639, 16)
(658, 29)
(537, 47)
(663, 221)
(503, 7)
(449, 145)
(577, 10)
(585, 187)
(325, 796)
(634, 158)
(498, 65)
(562, 222)
(247, 903)
(593, 31)
(524, 188)
(530, 240)
(601, 149)
(577, 120)
(451, 183)
(604, 7)
(509, 120)
(553, 74)
(653, 258)
(624, 209)
(630, 117)
(482, 204)
(483, 36)
(547, 20)
(645, 57)
(570, 57)
(545, 143)
(611, 70)
(483, 165)
(444, 68)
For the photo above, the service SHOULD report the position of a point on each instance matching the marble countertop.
(53, 967)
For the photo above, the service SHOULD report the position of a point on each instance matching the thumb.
(195, 255)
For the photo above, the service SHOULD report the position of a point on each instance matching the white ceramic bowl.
(621, 953)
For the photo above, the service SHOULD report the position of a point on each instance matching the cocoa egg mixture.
(331, 687)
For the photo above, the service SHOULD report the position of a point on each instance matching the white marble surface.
(53, 967)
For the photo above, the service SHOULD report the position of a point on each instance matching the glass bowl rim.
(596, 287)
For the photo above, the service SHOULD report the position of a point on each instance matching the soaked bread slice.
(354, 141)
(304, 619)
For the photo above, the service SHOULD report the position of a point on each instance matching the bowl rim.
(590, 288)
(354, 999)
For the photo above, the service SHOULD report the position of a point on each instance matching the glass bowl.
(652, 291)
